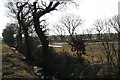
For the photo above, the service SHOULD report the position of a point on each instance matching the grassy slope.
(13, 67)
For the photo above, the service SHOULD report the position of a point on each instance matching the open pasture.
(94, 51)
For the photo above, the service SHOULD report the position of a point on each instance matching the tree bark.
(27, 39)
(19, 40)
(41, 35)
(27, 44)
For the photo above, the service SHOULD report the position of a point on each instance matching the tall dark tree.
(38, 12)
(25, 20)
(13, 14)
(22, 13)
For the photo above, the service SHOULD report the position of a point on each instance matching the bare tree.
(99, 26)
(22, 12)
(38, 12)
(59, 31)
(110, 51)
(71, 23)
(108, 47)
(13, 14)
(114, 22)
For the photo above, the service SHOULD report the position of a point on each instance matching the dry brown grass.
(13, 67)
(94, 52)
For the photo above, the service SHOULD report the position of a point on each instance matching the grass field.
(92, 50)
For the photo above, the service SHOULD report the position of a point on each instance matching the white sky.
(89, 10)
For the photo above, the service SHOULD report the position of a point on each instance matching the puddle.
(52, 45)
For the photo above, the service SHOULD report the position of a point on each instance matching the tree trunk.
(19, 40)
(27, 44)
(41, 35)
(45, 47)
(27, 50)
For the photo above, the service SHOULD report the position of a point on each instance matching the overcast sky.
(89, 10)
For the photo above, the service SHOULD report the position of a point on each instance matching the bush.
(7, 34)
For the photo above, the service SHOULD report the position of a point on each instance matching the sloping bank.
(13, 66)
